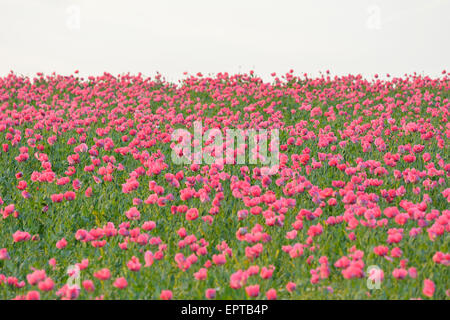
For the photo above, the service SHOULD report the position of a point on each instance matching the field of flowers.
(93, 206)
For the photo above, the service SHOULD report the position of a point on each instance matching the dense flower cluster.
(93, 207)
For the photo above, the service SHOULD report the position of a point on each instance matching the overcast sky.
(174, 36)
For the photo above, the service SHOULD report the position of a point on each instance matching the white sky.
(173, 36)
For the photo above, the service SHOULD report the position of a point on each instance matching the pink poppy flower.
(428, 288)
(166, 295)
(103, 274)
(120, 283)
(252, 291)
(210, 293)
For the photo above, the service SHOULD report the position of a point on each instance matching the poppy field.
(93, 206)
